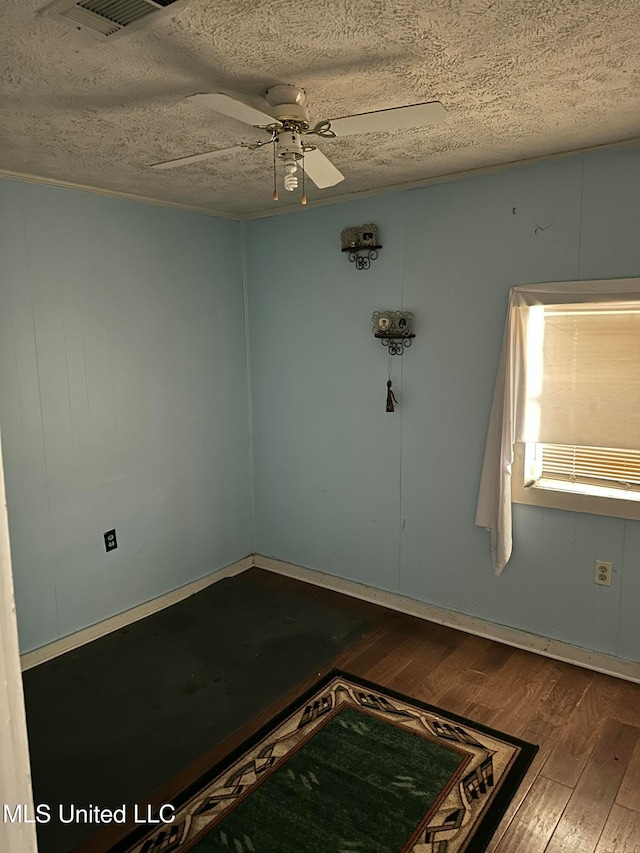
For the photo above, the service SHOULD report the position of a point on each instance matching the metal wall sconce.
(394, 329)
(362, 244)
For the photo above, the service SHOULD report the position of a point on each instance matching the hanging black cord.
(303, 200)
(275, 187)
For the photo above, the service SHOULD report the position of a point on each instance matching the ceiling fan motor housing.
(287, 104)
(293, 113)
(286, 93)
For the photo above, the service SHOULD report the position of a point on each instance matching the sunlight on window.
(532, 463)
(534, 371)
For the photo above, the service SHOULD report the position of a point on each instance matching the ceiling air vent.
(106, 19)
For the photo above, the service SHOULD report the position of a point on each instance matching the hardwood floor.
(582, 792)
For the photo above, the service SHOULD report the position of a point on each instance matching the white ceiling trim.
(52, 182)
(294, 208)
(453, 176)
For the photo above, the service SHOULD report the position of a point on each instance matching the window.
(567, 386)
(582, 392)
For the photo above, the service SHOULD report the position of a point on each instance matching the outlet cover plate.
(603, 573)
(110, 541)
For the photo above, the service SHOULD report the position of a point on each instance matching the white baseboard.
(576, 655)
(86, 635)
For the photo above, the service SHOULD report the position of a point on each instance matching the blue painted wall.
(123, 402)
(389, 499)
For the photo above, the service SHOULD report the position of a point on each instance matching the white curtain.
(519, 380)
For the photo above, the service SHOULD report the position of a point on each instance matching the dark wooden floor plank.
(515, 690)
(581, 729)
(536, 819)
(561, 702)
(458, 697)
(437, 680)
(480, 714)
(370, 651)
(621, 832)
(629, 791)
(627, 709)
(593, 797)
(427, 657)
(391, 666)
(545, 745)
(457, 682)
(493, 659)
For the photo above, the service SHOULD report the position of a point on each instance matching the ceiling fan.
(286, 120)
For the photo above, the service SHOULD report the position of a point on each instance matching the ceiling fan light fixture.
(290, 175)
(289, 145)
(289, 149)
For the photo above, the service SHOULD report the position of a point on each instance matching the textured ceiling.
(520, 79)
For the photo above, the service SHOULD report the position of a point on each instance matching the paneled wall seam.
(580, 218)
(247, 349)
(623, 551)
(402, 306)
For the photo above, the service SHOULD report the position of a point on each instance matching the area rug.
(350, 767)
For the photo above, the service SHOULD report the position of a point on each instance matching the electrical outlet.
(603, 573)
(110, 541)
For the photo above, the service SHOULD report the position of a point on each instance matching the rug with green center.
(351, 767)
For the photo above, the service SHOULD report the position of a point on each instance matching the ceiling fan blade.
(396, 118)
(321, 170)
(232, 108)
(195, 158)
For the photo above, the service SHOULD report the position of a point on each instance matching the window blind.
(589, 376)
(595, 466)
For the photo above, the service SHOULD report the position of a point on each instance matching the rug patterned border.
(461, 821)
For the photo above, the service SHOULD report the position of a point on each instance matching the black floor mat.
(115, 719)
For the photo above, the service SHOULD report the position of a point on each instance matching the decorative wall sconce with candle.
(362, 244)
(395, 330)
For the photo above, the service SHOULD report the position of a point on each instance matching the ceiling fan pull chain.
(303, 200)
(275, 185)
